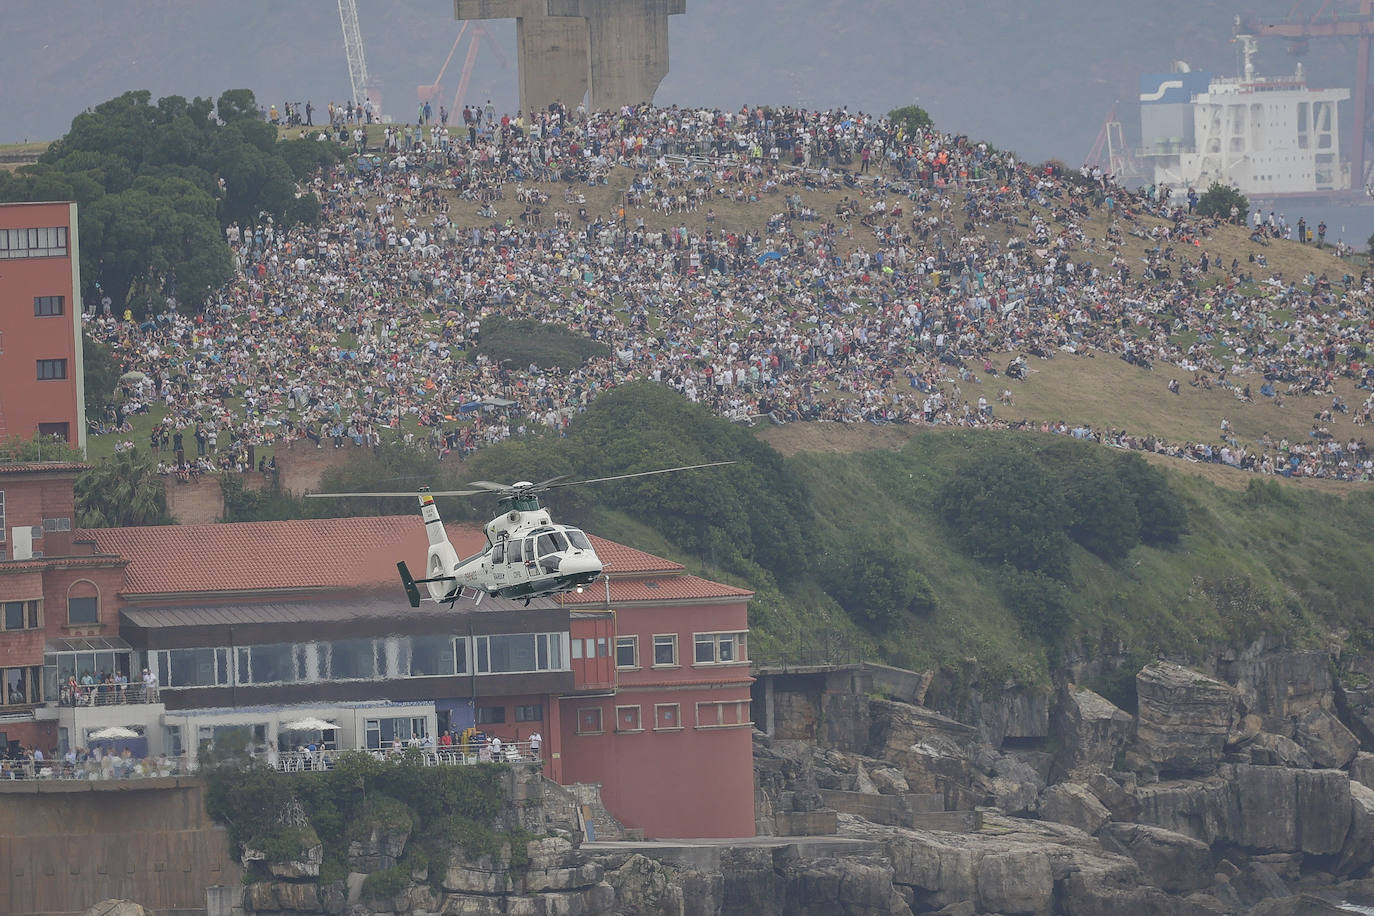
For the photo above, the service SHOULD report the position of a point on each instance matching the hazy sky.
(1036, 76)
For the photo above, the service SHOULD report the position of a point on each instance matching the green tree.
(1162, 513)
(877, 584)
(1101, 514)
(148, 175)
(1219, 200)
(121, 491)
(1007, 509)
(912, 117)
(100, 372)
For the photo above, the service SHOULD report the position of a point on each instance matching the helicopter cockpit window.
(548, 545)
(578, 539)
(529, 551)
(498, 552)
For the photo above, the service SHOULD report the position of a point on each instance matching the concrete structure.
(68, 845)
(42, 391)
(615, 50)
(552, 50)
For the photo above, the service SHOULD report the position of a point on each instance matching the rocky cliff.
(1235, 789)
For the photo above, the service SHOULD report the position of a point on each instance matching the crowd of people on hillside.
(932, 262)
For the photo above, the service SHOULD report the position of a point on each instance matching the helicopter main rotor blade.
(545, 484)
(376, 493)
(489, 486)
(390, 493)
(687, 467)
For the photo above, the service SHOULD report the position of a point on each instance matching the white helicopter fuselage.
(527, 556)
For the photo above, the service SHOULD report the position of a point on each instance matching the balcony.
(107, 695)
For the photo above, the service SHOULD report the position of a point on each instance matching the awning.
(88, 644)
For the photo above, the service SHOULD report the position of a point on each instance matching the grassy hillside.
(1267, 558)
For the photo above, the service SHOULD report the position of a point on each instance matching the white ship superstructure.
(1265, 136)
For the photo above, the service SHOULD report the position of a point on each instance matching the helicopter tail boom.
(412, 584)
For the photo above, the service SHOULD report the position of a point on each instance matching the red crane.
(479, 34)
(1327, 23)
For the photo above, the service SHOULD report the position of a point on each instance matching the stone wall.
(66, 846)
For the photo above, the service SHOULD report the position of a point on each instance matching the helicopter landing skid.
(412, 585)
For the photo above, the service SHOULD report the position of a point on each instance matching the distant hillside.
(1037, 78)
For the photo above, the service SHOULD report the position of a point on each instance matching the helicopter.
(528, 555)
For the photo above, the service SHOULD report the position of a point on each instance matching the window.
(531, 713)
(491, 715)
(431, 655)
(665, 650)
(589, 720)
(724, 714)
(48, 306)
(55, 431)
(47, 242)
(384, 733)
(3, 529)
(720, 648)
(20, 685)
(266, 664)
(51, 369)
(192, 667)
(627, 651)
(667, 717)
(83, 611)
(627, 719)
(20, 615)
(352, 659)
(517, 652)
(57, 524)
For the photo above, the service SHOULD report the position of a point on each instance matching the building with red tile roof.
(641, 677)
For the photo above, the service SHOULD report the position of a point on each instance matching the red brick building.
(41, 383)
(640, 684)
(57, 595)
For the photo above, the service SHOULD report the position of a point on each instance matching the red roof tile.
(31, 466)
(621, 560)
(347, 553)
(668, 588)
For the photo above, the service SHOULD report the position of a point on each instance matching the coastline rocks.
(1014, 786)
(1015, 881)
(379, 850)
(1168, 860)
(1075, 805)
(278, 896)
(857, 885)
(1362, 768)
(1204, 809)
(1091, 729)
(1323, 736)
(1277, 751)
(1184, 718)
(1358, 852)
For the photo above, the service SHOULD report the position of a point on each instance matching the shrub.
(546, 345)
(1219, 199)
(878, 585)
(387, 884)
(1006, 509)
(1039, 602)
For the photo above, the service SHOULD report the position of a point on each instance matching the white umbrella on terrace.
(113, 732)
(309, 724)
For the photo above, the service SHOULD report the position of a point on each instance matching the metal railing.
(309, 761)
(108, 767)
(107, 695)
